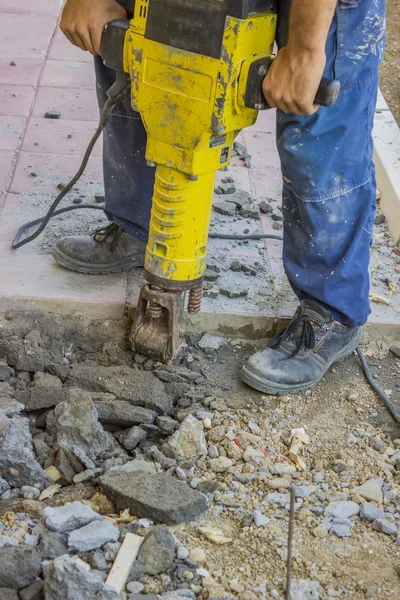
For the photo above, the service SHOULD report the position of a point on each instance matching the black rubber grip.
(327, 93)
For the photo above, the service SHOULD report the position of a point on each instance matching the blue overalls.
(329, 190)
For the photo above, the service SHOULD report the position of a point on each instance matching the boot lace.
(301, 330)
(100, 235)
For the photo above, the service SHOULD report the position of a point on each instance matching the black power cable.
(116, 93)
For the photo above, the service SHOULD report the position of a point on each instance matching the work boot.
(107, 250)
(298, 357)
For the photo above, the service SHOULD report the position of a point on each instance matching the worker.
(329, 189)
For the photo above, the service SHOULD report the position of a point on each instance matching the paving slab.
(43, 71)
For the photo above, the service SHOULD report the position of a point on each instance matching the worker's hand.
(83, 21)
(293, 80)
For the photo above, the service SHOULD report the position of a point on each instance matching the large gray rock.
(189, 440)
(67, 579)
(370, 512)
(72, 515)
(52, 545)
(157, 551)
(24, 355)
(157, 497)
(92, 536)
(342, 509)
(8, 594)
(140, 388)
(77, 429)
(120, 412)
(305, 589)
(18, 466)
(46, 391)
(19, 566)
(10, 407)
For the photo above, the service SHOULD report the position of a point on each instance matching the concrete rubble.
(92, 451)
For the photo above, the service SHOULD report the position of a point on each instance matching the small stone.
(276, 217)
(157, 551)
(282, 469)
(233, 291)
(92, 536)
(352, 439)
(189, 440)
(52, 114)
(318, 478)
(198, 555)
(302, 491)
(134, 587)
(223, 207)
(376, 444)
(395, 350)
(278, 483)
(167, 424)
(371, 490)
(342, 509)
(210, 275)
(86, 475)
(51, 545)
(265, 207)
(210, 342)
(225, 188)
(221, 464)
(132, 437)
(305, 589)
(339, 466)
(370, 512)
(29, 492)
(380, 219)
(342, 531)
(182, 553)
(277, 225)
(72, 515)
(259, 519)
(213, 452)
(6, 372)
(385, 526)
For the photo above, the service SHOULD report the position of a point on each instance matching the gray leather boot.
(298, 357)
(107, 250)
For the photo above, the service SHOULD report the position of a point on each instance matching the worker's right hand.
(83, 21)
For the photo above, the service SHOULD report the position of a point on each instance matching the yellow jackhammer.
(196, 69)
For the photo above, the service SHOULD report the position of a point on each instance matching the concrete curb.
(387, 161)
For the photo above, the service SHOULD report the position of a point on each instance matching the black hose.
(392, 408)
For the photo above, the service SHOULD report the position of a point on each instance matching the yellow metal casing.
(191, 108)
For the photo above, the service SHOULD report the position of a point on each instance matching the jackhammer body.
(196, 68)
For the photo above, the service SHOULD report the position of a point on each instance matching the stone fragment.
(10, 407)
(18, 466)
(221, 206)
(8, 594)
(6, 372)
(98, 560)
(233, 291)
(29, 492)
(214, 535)
(339, 466)
(77, 429)
(157, 497)
(198, 555)
(46, 391)
(370, 512)
(155, 454)
(395, 349)
(52, 114)
(371, 490)
(68, 517)
(189, 440)
(225, 188)
(157, 551)
(167, 424)
(137, 387)
(342, 509)
(259, 519)
(23, 355)
(67, 578)
(376, 444)
(132, 437)
(4, 486)
(92, 536)
(210, 342)
(213, 451)
(133, 466)
(342, 531)
(302, 491)
(220, 464)
(277, 498)
(119, 412)
(135, 587)
(86, 475)
(35, 591)
(19, 566)
(282, 469)
(305, 589)
(265, 207)
(278, 483)
(385, 526)
(52, 545)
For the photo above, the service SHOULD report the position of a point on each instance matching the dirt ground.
(390, 70)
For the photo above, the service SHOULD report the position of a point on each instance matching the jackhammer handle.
(327, 92)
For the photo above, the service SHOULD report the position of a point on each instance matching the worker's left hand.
(293, 80)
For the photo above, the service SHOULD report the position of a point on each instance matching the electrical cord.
(116, 93)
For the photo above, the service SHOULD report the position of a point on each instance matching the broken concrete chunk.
(265, 207)
(52, 114)
(92, 536)
(305, 589)
(66, 578)
(233, 291)
(223, 207)
(342, 509)
(72, 515)
(23, 355)
(167, 424)
(132, 437)
(138, 464)
(46, 392)
(18, 466)
(6, 372)
(157, 551)
(119, 412)
(52, 545)
(19, 566)
(210, 342)
(35, 591)
(189, 440)
(10, 407)
(137, 387)
(157, 497)
(371, 490)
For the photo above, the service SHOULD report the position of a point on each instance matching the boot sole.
(90, 269)
(274, 389)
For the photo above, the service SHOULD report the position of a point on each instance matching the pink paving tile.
(6, 162)
(52, 169)
(25, 71)
(52, 135)
(11, 130)
(72, 103)
(68, 74)
(273, 247)
(267, 183)
(240, 176)
(62, 49)
(22, 41)
(266, 122)
(29, 7)
(16, 99)
(261, 147)
(38, 276)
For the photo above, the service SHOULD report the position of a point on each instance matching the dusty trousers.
(329, 190)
